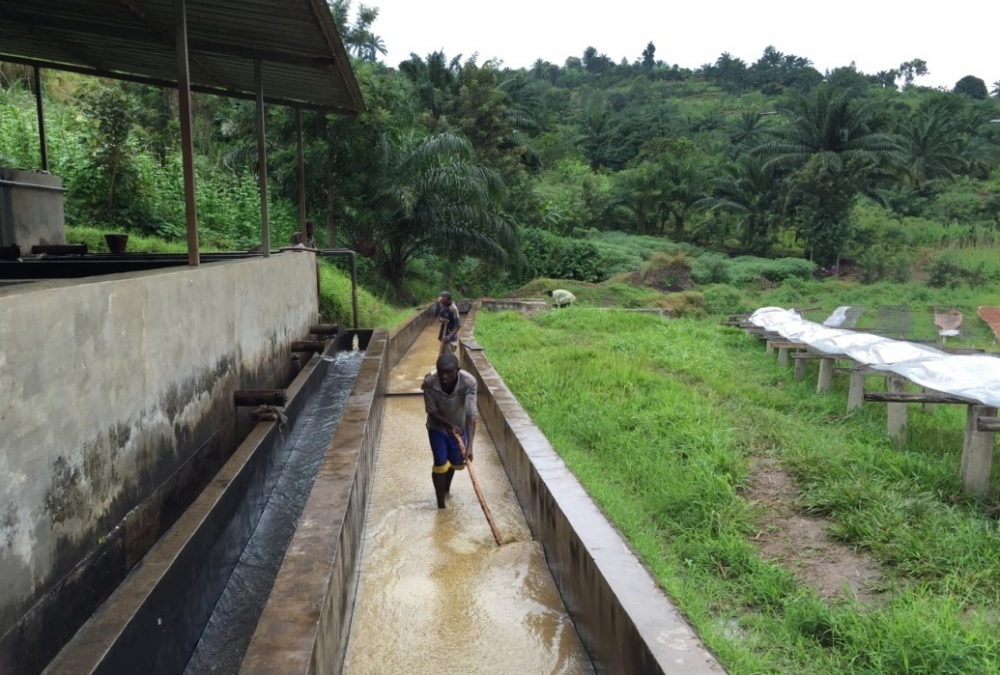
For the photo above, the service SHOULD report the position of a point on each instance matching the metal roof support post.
(265, 225)
(43, 146)
(187, 144)
(302, 176)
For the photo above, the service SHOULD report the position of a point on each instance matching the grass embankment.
(665, 421)
(335, 302)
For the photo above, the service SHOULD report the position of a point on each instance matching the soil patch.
(800, 543)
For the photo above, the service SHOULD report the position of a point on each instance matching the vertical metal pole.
(265, 226)
(302, 176)
(187, 144)
(40, 105)
(354, 287)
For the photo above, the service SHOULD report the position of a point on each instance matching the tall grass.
(661, 419)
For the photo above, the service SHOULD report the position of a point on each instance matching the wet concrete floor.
(436, 594)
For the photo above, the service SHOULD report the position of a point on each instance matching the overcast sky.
(955, 37)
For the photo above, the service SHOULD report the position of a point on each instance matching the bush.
(723, 299)
(946, 271)
(880, 263)
(665, 272)
(556, 257)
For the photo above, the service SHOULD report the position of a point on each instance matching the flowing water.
(232, 623)
(436, 594)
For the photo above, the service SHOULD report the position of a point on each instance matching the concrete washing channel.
(373, 577)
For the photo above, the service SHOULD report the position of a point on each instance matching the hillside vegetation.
(467, 174)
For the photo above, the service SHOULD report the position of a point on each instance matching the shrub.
(723, 299)
(556, 257)
(685, 303)
(665, 272)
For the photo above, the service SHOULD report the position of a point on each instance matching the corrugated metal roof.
(303, 60)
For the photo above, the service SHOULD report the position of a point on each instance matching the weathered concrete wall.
(625, 621)
(117, 411)
(304, 627)
(306, 623)
(528, 307)
(30, 216)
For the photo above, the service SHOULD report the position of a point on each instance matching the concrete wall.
(117, 411)
(626, 622)
(30, 216)
(306, 623)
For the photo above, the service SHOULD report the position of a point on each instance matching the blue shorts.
(447, 454)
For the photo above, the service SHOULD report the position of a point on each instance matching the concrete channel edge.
(625, 620)
(306, 623)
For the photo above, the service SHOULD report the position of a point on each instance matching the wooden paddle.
(479, 492)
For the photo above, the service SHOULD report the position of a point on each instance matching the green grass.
(335, 302)
(93, 237)
(683, 407)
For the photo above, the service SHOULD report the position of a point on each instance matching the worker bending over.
(450, 402)
(561, 298)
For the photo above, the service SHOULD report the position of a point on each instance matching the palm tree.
(435, 79)
(931, 148)
(836, 149)
(594, 131)
(686, 184)
(751, 191)
(833, 126)
(748, 128)
(431, 196)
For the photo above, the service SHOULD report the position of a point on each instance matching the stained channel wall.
(305, 625)
(117, 410)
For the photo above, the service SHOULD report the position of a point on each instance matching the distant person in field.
(450, 403)
(561, 298)
(446, 312)
(310, 236)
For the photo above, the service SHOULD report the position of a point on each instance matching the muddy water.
(436, 594)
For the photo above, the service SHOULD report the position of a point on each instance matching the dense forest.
(465, 172)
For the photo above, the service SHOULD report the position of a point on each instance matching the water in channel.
(436, 594)
(224, 641)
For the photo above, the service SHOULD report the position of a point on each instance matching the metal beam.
(171, 84)
(187, 142)
(265, 225)
(322, 13)
(149, 33)
(165, 39)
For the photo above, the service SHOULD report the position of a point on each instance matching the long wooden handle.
(479, 492)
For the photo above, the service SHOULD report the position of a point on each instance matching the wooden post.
(782, 356)
(187, 142)
(896, 412)
(770, 348)
(928, 407)
(977, 452)
(800, 369)
(265, 225)
(856, 394)
(825, 376)
(40, 106)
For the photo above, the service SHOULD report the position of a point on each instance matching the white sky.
(955, 37)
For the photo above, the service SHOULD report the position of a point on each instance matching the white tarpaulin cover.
(973, 377)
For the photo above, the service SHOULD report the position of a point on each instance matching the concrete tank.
(31, 209)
